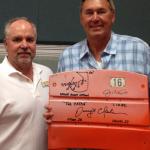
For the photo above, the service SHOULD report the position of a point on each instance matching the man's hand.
(48, 115)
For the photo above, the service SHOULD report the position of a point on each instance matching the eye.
(88, 12)
(30, 39)
(102, 11)
(17, 39)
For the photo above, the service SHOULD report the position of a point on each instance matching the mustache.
(96, 24)
(24, 51)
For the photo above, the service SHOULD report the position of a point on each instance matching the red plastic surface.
(100, 109)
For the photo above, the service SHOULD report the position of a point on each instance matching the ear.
(5, 43)
(80, 18)
(113, 17)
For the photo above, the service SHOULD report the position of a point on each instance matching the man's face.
(20, 43)
(97, 18)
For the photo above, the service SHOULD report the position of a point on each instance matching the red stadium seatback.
(99, 109)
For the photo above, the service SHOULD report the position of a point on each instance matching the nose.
(95, 16)
(24, 44)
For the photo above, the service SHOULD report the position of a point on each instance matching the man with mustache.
(23, 90)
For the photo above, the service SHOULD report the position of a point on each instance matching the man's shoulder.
(43, 68)
(76, 46)
(128, 39)
(74, 50)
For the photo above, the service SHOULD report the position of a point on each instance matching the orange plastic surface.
(98, 137)
(100, 109)
(105, 112)
(99, 83)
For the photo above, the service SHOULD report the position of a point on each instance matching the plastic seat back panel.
(99, 137)
(100, 109)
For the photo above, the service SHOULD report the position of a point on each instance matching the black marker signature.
(100, 111)
(80, 85)
(81, 110)
(107, 110)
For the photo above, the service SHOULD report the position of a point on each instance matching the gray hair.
(111, 3)
(11, 21)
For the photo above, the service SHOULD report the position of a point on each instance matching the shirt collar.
(10, 70)
(110, 48)
(84, 49)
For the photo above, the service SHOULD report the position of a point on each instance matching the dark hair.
(111, 3)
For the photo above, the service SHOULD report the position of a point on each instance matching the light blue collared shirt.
(121, 53)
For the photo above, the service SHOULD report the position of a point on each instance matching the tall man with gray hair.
(102, 48)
